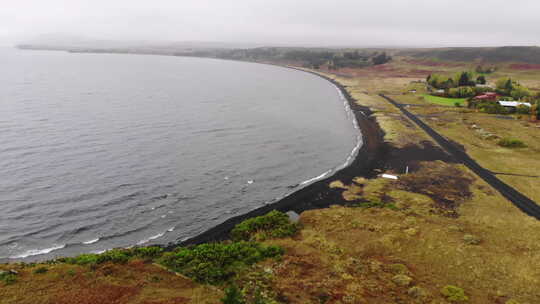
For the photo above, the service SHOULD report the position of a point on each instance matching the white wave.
(359, 139)
(33, 252)
(316, 178)
(99, 251)
(91, 241)
(250, 182)
(354, 152)
(170, 229)
(157, 236)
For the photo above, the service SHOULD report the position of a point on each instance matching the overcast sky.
(298, 22)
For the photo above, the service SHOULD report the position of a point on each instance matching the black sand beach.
(370, 157)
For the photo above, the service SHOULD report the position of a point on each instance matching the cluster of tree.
(495, 108)
(535, 102)
(311, 58)
(509, 87)
(381, 58)
(463, 79)
(353, 59)
(461, 92)
(535, 109)
(488, 107)
(485, 70)
(510, 90)
(337, 60)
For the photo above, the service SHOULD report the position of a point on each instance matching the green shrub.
(41, 270)
(117, 256)
(233, 296)
(523, 109)
(8, 278)
(492, 108)
(511, 143)
(148, 252)
(454, 294)
(83, 259)
(272, 225)
(215, 263)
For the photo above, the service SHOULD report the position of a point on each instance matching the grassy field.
(443, 100)
(479, 133)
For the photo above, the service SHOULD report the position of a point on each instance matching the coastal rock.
(293, 217)
(402, 280)
(471, 239)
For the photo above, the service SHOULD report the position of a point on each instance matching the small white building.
(514, 104)
(484, 86)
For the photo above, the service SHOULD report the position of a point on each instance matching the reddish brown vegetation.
(432, 63)
(525, 66)
(136, 282)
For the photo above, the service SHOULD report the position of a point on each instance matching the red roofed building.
(491, 96)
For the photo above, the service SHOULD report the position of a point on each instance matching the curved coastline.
(314, 193)
(317, 195)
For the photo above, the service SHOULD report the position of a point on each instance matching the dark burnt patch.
(412, 155)
(446, 184)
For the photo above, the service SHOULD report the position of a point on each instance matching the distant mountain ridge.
(522, 54)
(526, 54)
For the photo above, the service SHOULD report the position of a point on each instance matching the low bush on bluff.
(41, 270)
(511, 143)
(272, 225)
(215, 263)
(117, 256)
(233, 296)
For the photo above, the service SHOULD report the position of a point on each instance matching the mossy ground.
(134, 282)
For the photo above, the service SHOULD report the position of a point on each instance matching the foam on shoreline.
(34, 252)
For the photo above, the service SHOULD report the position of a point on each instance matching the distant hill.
(526, 54)
(84, 44)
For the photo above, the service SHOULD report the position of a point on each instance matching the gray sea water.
(101, 151)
